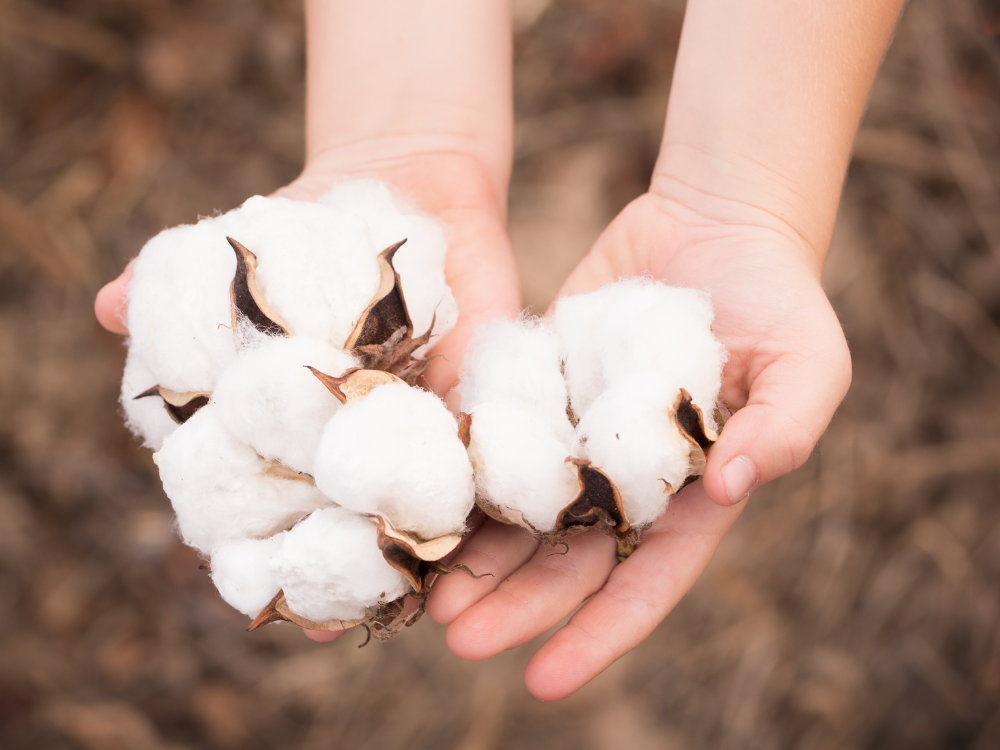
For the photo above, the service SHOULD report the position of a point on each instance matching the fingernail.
(740, 477)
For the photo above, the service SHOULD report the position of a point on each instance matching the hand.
(479, 267)
(788, 370)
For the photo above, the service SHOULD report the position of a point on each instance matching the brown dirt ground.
(855, 604)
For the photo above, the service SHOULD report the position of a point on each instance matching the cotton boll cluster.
(272, 355)
(634, 363)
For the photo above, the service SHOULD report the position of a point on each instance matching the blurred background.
(856, 603)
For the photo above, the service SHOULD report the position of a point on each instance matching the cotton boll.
(241, 572)
(521, 465)
(638, 326)
(396, 453)
(146, 417)
(316, 266)
(179, 314)
(419, 263)
(270, 401)
(221, 489)
(629, 434)
(517, 363)
(669, 331)
(330, 567)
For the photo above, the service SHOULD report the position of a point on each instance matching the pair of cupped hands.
(787, 371)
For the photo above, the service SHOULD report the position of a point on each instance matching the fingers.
(322, 636)
(496, 550)
(535, 598)
(791, 402)
(109, 305)
(638, 594)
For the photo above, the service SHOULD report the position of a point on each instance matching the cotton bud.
(241, 572)
(330, 568)
(396, 453)
(222, 490)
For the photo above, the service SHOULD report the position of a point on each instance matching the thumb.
(109, 306)
(790, 405)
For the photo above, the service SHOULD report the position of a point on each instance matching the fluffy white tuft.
(179, 315)
(330, 567)
(630, 435)
(270, 401)
(517, 363)
(396, 453)
(639, 326)
(420, 262)
(145, 417)
(241, 572)
(521, 465)
(220, 488)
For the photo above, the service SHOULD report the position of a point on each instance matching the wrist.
(733, 191)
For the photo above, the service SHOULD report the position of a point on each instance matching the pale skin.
(766, 99)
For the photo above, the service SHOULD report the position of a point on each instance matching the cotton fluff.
(520, 465)
(629, 434)
(179, 315)
(330, 567)
(517, 363)
(270, 401)
(241, 572)
(145, 417)
(639, 326)
(396, 453)
(221, 489)
(420, 262)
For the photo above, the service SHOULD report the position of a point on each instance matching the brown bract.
(387, 312)
(247, 299)
(416, 559)
(180, 406)
(355, 383)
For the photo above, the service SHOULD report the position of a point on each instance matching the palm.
(785, 374)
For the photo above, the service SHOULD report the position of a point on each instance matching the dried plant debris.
(319, 482)
(596, 427)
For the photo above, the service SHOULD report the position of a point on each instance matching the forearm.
(766, 99)
(389, 79)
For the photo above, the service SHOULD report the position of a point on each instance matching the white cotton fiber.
(517, 363)
(629, 434)
(639, 326)
(179, 314)
(396, 453)
(220, 488)
(316, 266)
(241, 572)
(330, 567)
(520, 465)
(146, 417)
(420, 262)
(270, 401)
